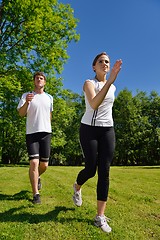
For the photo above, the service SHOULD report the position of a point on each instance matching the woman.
(97, 135)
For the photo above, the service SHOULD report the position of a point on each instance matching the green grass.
(133, 205)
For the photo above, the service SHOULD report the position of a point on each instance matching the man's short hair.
(40, 74)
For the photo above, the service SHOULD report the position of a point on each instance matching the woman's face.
(102, 65)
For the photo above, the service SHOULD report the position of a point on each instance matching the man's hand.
(29, 97)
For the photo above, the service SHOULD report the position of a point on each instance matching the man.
(37, 106)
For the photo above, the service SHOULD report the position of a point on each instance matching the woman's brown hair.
(96, 58)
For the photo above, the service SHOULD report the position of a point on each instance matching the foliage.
(137, 128)
(68, 110)
(34, 37)
(11, 127)
(35, 34)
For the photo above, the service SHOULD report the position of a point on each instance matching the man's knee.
(34, 163)
(43, 166)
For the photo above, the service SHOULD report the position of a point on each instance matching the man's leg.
(42, 167)
(44, 150)
(33, 175)
(33, 152)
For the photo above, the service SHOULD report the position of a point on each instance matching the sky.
(125, 29)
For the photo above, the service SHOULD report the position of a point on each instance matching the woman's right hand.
(115, 70)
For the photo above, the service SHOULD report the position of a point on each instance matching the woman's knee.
(91, 173)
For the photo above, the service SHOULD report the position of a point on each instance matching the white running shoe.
(77, 196)
(101, 221)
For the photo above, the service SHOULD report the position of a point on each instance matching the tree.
(124, 112)
(153, 112)
(72, 149)
(137, 128)
(68, 109)
(11, 139)
(34, 36)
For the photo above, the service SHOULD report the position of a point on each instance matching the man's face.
(39, 81)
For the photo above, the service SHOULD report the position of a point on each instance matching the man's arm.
(51, 115)
(23, 110)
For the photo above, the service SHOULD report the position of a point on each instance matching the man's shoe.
(101, 221)
(77, 196)
(36, 199)
(39, 184)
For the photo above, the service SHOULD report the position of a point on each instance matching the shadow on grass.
(151, 167)
(18, 196)
(14, 215)
(14, 165)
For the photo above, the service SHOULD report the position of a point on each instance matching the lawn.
(133, 205)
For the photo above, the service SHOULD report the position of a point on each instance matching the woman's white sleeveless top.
(103, 115)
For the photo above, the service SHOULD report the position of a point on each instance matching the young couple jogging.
(97, 136)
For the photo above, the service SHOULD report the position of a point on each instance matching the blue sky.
(125, 29)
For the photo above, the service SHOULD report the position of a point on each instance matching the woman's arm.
(95, 100)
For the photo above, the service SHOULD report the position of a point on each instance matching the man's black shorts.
(39, 146)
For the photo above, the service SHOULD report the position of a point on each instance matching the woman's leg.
(106, 146)
(89, 146)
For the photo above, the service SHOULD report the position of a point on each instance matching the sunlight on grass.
(133, 205)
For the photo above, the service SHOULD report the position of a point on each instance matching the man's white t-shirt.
(38, 112)
(103, 115)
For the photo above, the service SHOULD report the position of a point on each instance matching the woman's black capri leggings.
(98, 144)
